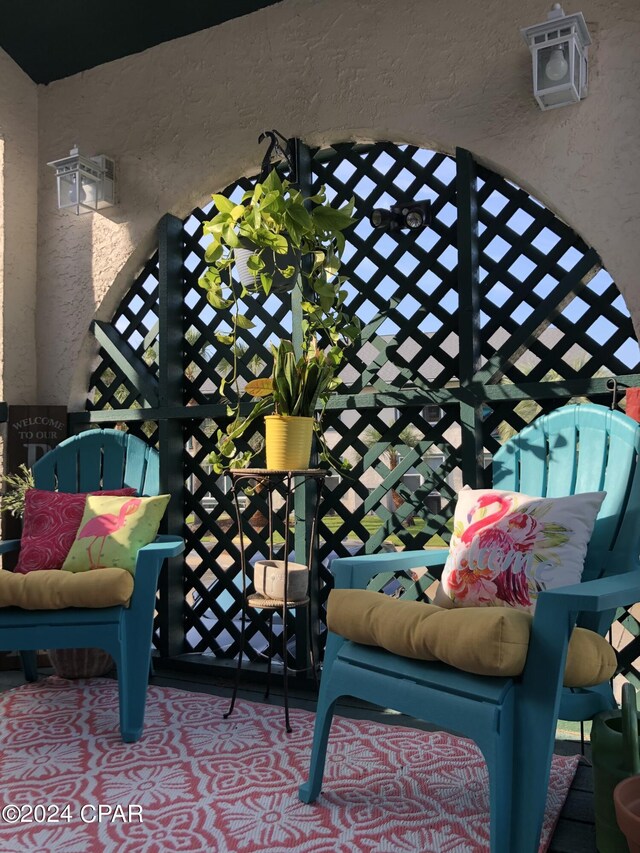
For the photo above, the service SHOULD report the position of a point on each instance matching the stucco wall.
(18, 233)
(182, 120)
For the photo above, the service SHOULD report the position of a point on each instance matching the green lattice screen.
(496, 304)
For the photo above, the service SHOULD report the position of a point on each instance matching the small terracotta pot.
(626, 797)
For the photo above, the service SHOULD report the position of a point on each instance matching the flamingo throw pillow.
(49, 526)
(508, 547)
(113, 530)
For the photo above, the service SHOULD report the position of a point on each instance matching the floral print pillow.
(507, 547)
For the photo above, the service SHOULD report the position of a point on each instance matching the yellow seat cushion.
(52, 589)
(481, 640)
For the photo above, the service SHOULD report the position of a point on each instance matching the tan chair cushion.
(482, 640)
(52, 589)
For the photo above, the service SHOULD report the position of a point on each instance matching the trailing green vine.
(292, 242)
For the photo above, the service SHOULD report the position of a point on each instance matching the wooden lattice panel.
(465, 323)
(402, 284)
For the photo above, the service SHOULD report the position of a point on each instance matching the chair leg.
(133, 676)
(29, 661)
(309, 791)
(499, 760)
(533, 750)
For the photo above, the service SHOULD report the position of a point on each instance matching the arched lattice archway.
(497, 304)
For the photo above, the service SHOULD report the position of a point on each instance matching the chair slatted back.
(99, 459)
(583, 448)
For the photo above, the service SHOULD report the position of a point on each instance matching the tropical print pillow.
(507, 547)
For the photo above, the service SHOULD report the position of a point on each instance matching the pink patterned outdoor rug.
(197, 782)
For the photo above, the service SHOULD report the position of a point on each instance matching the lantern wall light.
(84, 183)
(559, 52)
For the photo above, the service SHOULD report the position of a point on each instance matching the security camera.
(405, 214)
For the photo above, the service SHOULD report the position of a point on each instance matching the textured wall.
(18, 243)
(182, 120)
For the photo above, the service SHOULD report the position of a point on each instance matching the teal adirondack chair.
(99, 459)
(513, 720)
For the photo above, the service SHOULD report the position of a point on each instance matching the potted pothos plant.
(290, 239)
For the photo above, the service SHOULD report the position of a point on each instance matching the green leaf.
(223, 204)
(266, 281)
(272, 183)
(270, 201)
(222, 338)
(299, 214)
(324, 288)
(330, 219)
(255, 263)
(213, 252)
(214, 298)
(255, 195)
(216, 464)
(280, 244)
(230, 237)
(294, 231)
(259, 387)
(227, 448)
(350, 331)
(243, 322)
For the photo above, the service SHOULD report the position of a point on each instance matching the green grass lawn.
(371, 523)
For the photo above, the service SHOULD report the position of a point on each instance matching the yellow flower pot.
(288, 442)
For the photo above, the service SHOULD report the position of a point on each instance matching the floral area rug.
(197, 782)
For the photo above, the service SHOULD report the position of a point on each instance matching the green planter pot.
(614, 744)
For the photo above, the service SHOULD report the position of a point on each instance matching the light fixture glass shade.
(559, 53)
(84, 183)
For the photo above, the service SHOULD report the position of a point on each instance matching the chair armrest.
(553, 621)
(356, 572)
(594, 596)
(163, 546)
(148, 565)
(557, 609)
(8, 545)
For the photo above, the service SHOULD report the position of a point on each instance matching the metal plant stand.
(284, 482)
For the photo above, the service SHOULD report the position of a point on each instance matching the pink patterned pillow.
(49, 526)
(507, 547)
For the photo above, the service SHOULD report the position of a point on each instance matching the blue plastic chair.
(513, 720)
(93, 460)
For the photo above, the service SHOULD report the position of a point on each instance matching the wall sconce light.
(559, 51)
(404, 214)
(84, 183)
